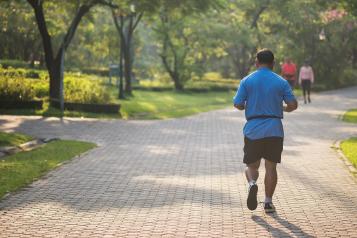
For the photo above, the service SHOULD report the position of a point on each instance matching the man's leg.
(252, 175)
(252, 171)
(271, 178)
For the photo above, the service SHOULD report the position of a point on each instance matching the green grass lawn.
(147, 105)
(23, 168)
(13, 139)
(170, 104)
(349, 148)
(350, 116)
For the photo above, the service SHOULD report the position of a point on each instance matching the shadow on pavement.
(295, 231)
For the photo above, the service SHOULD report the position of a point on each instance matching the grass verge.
(147, 105)
(23, 168)
(349, 148)
(13, 139)
(350, 116)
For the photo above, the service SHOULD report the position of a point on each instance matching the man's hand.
(291, 106)
(239, 107)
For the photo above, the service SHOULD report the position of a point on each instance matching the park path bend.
(184, 178)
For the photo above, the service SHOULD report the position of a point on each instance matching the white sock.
(252, 182)
(268, 200)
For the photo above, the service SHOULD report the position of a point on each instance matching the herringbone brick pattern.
(184, 178)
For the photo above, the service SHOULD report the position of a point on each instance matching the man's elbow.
(239, 107)
(292, 106)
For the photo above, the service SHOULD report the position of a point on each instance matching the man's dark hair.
(265, 56)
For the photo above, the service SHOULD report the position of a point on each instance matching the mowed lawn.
(350, 116)
(13, 139)
(23, 168)
(349, 148)
(170, 104)
(146, 105)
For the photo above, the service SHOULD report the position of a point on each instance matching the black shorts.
(269, 148)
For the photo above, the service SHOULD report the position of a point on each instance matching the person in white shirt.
(306, 78)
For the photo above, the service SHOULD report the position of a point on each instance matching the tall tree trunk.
(121, 75)
(177, 81)
(127, 66)
(53, 64)
(126, 35)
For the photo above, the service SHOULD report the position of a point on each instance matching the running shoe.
(252, 202)
(269, 207)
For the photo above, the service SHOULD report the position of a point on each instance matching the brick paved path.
(184, 178)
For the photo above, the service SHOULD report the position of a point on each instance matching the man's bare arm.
(239, 107)
(291, 106)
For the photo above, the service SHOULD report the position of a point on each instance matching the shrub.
(96, 71)
(20, 72)
(84, 91)
(6, 63)
(349, 77)
(212, 76)
(16, 89)
(41, 88)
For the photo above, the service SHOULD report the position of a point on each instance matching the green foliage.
(349, 148)
(23, 168)
(84, 91)
(6, 63)
(348, 77)
(21, 72)
(18, 84)
(350, 116)
(13, 139)
(16, 88)
(97, 71)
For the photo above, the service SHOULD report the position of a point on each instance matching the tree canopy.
(181, 39)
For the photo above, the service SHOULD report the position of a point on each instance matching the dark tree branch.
(106, 3)
(258, 14)
(73, 27)
(137, 20)
(42, 27)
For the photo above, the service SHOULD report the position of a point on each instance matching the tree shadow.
(295, 231)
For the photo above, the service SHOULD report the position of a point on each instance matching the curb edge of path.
(346, 161)
(46, 175)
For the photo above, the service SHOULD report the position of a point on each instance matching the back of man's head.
(265, 56)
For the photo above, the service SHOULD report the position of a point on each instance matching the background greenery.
(222, 38)
(198, 47)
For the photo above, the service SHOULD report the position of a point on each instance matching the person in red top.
(288, 71)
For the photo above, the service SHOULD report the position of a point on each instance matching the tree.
(54, 59)
(126, 24)
(177, 38)
(18, 39)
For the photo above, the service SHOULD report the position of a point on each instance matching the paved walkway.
(184, 178)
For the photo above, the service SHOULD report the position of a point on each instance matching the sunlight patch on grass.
(349, 148)
(13, 139)
(350, 116)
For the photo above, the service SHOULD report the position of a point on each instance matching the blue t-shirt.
(263, 92)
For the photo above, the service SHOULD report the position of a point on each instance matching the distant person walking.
(262, 94)
(288, 71)
(306, 78)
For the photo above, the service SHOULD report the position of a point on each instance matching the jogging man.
(262, 94)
